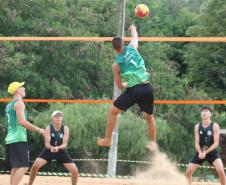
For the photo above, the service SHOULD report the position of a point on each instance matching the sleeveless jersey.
(15, 132)
(56, 136)
(131, 67)
(205, 136)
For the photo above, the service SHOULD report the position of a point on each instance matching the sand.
(51, 180)
(161, 172)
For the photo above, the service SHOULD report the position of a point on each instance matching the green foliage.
(206, 62)
(2, 138)
(82, 70)
(220, 118)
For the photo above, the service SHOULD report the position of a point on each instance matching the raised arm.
(134, 41)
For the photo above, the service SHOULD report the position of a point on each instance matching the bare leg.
(111, 122)
(35, 168)
(190, 170)
(71, 167)
(220, 170)
(13, 171)
(18, 175)
(151, 130)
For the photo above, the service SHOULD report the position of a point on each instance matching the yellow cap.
(14, 86)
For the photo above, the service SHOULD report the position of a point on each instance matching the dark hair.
(206, 108)
(117, 43)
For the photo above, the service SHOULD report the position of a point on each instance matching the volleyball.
(141, 11)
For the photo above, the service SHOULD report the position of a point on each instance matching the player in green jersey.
(130, 73)
(17, 153)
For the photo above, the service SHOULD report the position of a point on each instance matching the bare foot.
(152, 146)
(103, 142)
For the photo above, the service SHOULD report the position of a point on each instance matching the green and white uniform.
(132, 67)
(17, 153)
(15, 132)
(132, 70)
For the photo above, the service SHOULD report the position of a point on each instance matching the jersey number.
(133, 62)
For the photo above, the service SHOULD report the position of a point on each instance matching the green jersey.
(15, 132)
(131, 67)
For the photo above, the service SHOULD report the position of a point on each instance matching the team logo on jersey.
(53, 135)
(61, 135)
(200, 132)
(209, 133)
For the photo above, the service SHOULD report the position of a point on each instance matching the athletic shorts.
(210, 157)
(62, 156)
(17, 155)
(142, 94)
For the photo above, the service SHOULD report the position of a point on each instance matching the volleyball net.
(167, 96)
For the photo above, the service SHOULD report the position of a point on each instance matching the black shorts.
(141, 94)
(17, 155)
(210, 157)
(62, 156)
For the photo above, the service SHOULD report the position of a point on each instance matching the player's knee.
(221, 172)
(25, 169)
(72, 168)
(149, 117)
(114, 110)
(74, 171)
(188, 173)
(35, 167)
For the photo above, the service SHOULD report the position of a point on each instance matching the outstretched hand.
(132, 27)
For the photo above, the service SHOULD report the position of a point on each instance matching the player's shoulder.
(115, 66)
(215, 125)
(197, 125)
(66, 127)
(19, 103)
(130, 47)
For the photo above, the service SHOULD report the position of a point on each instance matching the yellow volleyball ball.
(141, 11)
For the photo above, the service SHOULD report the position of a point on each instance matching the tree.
(206, 62)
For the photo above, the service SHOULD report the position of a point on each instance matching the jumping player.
(130, 73)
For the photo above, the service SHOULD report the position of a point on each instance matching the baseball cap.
(14, 86)
(56, 112)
